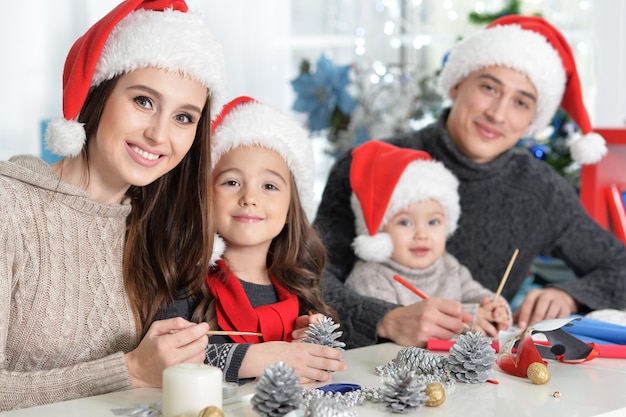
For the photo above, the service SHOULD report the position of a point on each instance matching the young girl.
(268, 278)
(95, 245)
(406, 205)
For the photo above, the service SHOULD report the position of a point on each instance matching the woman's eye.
(270, 187)
(144, 102)
(184, 118)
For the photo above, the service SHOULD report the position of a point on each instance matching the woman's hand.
(311, 362)
(167, 343)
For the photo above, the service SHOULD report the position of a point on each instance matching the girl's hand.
(167, 343)
(302, 325)
(311, 362)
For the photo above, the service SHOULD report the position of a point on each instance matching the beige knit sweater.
(65, 320)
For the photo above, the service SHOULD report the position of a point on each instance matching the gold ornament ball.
(538, 373)
(211, 411)
(436, 394)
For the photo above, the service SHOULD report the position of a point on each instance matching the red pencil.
(418, 292)
(410, 287)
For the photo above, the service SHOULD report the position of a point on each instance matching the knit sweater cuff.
(232, 371)
(112, 374)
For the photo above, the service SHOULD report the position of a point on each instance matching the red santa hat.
(246, 122)
(529, 44)
(136, 34)
(386, 179)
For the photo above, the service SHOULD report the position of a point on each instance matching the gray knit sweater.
(446, 278)
(515, 201)
(65, 319)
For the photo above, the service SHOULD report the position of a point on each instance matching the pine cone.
(327, 407)
(277, 391)
(420, 360)
(404, 392)
(472, 358)
(323, 333)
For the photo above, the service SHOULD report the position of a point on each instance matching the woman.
(94, 246)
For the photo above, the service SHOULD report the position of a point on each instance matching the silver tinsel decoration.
(277, 392)
(404, 392)
(324, 333)
(472, 358)
(327, 407)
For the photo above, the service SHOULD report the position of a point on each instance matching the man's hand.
(542, 304)
(414, 324)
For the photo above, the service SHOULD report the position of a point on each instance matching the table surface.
(594, 388)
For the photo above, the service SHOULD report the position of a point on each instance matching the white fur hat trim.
(522, 50)
(256, 124)
(422, 180)
(171, 40)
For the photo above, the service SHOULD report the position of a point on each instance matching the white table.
(595, 388)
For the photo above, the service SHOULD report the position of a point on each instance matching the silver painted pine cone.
(324, 333)
(472, 358)
(404, 392)
(277, 391)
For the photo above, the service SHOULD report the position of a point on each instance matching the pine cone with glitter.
(327, 407)
(324, 333)
(472, 358)
(404, 392)
(277, 392)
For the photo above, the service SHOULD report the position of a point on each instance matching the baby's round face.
(418, 233)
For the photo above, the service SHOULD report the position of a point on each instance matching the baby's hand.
(492, 317)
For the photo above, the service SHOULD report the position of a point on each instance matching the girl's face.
(418, 234)
(493, 108)
(252, 193)
(147, 126)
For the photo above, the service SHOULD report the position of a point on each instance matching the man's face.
(493, 107)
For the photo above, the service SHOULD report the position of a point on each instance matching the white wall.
(610, 45)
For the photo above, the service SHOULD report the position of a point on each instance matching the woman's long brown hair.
(169, 236)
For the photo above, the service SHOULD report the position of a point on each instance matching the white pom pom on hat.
(136, 34)
(530, 45)
(386, 179)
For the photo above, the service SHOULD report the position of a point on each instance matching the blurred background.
(374, 62)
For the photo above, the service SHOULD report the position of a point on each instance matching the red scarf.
(234, 311)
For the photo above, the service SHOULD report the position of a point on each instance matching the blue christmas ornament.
(539, 151)
(318, 94)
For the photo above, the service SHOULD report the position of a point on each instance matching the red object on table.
(605, 350)
(516, 363)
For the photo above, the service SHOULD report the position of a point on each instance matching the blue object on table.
(341, 388)
(597, 331)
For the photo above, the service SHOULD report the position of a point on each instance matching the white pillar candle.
(188, 388)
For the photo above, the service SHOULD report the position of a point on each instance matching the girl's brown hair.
(169, 235)
(296, 259)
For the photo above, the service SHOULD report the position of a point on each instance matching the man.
(505, 82)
